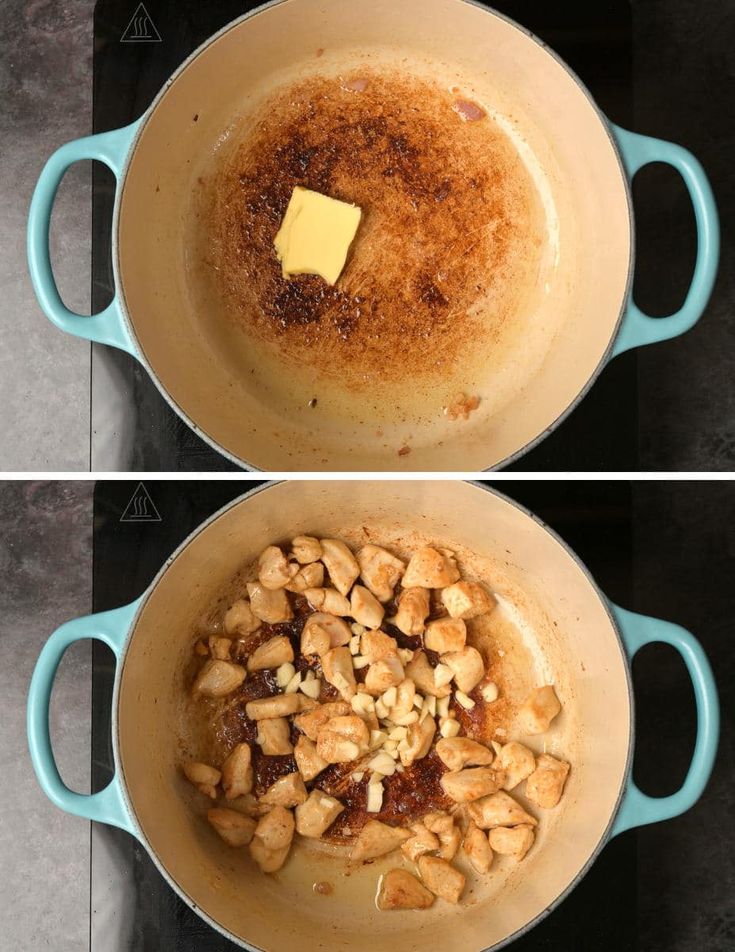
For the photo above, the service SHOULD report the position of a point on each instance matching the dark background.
(663, 548)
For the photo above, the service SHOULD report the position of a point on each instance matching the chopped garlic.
(357, 775)
(359, 662)
(398, 733)
(442, 706)
(407, 719)
(380, 709)
(443, 674)
(382, 763)
(293, 685)
(418, 701)
(374, 797)
(490, 692)
(355, 644)
(311, 687)
(406, 655)
(284, 674)
(429, 705)
(377, 739)
(449, 728)
(390, 697)
(357, 629)
(461, 698)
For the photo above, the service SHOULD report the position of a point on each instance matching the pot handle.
(107, 327)
(107, 806)
(637, 328)
(637, 809)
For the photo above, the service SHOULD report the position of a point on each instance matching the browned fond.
(445, 239)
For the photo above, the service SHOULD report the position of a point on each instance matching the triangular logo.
(141, 28)
(141, 507)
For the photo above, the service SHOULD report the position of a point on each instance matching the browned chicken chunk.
(441, 877)
(400, 890)
(237, 773)
(235, 828)
(546, 784)
(377, 839)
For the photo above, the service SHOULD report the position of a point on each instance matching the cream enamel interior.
(570, 640)
(553, 120)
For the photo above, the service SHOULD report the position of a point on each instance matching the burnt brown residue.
(446, 215)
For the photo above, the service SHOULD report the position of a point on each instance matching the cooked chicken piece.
(313, 640)
(445, 634)
(515, 841)
(467, 600)
(458, 752)
(477, 848)
(418, 741)
(338, 670)
(204, 777)
(441, 877)
(449, 835)
(377, 839)
(328, 600)
(311, 723)
(539, 711)
(237, 773)
(518, 763)
(249, 805)
(341, 564)
(422, 674)
(280, 705)
(308, 761)
(309, 576)
(422, 841)
(413, 608)
(471, 784)
(400, 890)
(317, 814)
(218, 678)
(287, 791)
(220, 648)
(269, 606)
(274, 736)
(234, 828)
(272, 839)
(240, 620)
(306, 549)
(428, 568)
(377, 646)
(380, 571)
(271, 654)
(383, 675)
(274, 569)
(546, 784)
(467, 667)
(499, 809)
(343, 739)
(365, 607)
(405, 696)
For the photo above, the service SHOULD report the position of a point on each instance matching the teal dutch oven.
(572, 635)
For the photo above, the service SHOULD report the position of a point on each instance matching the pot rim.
(143, 840)
(147, 115)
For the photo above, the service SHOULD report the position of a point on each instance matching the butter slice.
(316, 234)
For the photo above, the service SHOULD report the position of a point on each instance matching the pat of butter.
(316, 234)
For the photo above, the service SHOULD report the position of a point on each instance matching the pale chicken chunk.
(385, 674)
(458, 752)
(317, 814)
(472, 783)
(281, 705)
(429, 568)
(204, 777)
(413, 609)
(422, 675)
(477, 848)
(312, 722)
(249, 805)
(546, 784)
(272, 839)
(274, 569)
(218, 678)
(274, 736)
(270, 606)
(499, 809)
(441, 877)
(287, 791)
(518, 763)
(240, 620)
(377, 839)
(308, 761)
(322, 631)
(306, 549)
(421, 841)
(418, 741)
(271, 654)
(308, 576)
(377, 646)
(337, 669)
(401, 890)
(237, 773)
(445, 635)
(340, 563)
(343, 739)
(328, 600)
(539, 711)
(235, 828)
(449, 835)
(467, 666)
(467, 600)
(515, 841)
(380, 571)
(365, 607)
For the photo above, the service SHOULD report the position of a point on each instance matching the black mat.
(594, 38)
